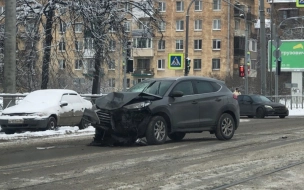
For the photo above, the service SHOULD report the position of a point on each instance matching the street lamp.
(246, 56)
(187, 37)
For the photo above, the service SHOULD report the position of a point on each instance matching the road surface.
(263, 154)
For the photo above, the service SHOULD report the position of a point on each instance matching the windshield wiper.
(148, 86)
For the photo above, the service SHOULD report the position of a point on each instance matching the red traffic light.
(241, 71)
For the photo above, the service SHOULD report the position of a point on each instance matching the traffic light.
(187, 67)
(241, 71)
(129, 47)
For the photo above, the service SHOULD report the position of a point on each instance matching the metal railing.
(291, 102)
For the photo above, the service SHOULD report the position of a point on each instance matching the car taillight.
(235, 96)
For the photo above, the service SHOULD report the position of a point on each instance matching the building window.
(197, 64)
(216, 5)
(78, 27)
(112, 82)
(61, 63)
(143, 24)
(216, 45)
(179, 45)
(78, 45)
(216, 24)
(268, 10)
(237, 24)
(179, 6)
(2, 9)
(112, 45)
(162, 26)
(198, 25)
(90, 64)
(89, 44)
(253, 46)
(112, 65)
(197, 44)
(78, 64)
(142, 42)
(161, 64)
(62, 28)
(127, 26)
(162, 6)
(128, 6)
(179, 25)
(61, 46)
(62, 10)
(216, 64)
(198, 5)
(161, 44)
(30, 27)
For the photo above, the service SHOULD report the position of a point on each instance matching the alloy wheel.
(227, 126)
(159, 130)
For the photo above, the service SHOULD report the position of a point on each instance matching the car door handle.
(218, 99)
(194, 102)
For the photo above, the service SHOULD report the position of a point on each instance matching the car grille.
(104, 117)
(280, 110)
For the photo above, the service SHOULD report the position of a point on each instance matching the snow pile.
(61, 131)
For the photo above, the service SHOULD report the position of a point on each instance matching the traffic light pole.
(246, 54)
(187, 39)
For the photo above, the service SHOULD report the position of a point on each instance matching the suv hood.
(274, 104)
(116, 100)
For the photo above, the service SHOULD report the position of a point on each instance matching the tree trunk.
(96, 78)
(47, 49)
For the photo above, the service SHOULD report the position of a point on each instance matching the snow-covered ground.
(74, 131)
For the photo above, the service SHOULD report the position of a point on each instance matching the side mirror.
(63, 103)
(176, 94)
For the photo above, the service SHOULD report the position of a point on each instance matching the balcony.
(143, 72)
(239, 46)
(142, 52)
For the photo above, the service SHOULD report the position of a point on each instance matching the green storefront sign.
(292, 55)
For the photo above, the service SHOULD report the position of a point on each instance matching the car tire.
(9, 131)
(156, 132)
(84, 123)
(260, 113)
(52, 124)
(282, 116)
(177, 136)
(225, 127)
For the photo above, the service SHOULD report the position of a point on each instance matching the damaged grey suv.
(165, 107)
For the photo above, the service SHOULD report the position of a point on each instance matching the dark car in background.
(161, 107)
(260, 106)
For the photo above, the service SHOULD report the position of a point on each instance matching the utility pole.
(125, 61)
(263, 48)
(10, 49)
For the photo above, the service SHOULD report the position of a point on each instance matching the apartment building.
(216, 45)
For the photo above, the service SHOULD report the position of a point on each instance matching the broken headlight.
(138, 105)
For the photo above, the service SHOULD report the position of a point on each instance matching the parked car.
(161, 107)
(46, 109)
(260, 106)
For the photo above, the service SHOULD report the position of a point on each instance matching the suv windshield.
(152, 87)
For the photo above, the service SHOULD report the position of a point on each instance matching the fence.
(291, 102)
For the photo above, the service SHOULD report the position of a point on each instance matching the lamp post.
(187, 37)
(246, 56)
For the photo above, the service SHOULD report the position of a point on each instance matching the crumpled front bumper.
(120, 121)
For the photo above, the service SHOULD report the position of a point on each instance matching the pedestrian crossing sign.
(176, 61)
(300, 3)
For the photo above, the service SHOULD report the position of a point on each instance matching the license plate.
(15, 121)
